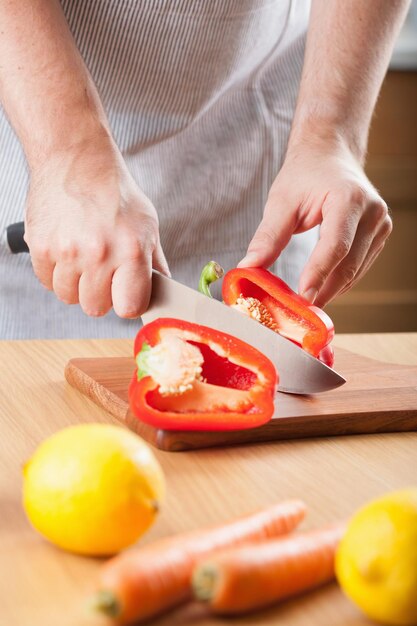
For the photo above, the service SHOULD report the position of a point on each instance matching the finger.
(375, 250)
(347, 269)
(337, 233)
(374, 253)
(65, 282)
(366, 266)
(95, 289)
(43, 266)
(273, 233)
(362, 262)
(131, 287)
(159, 261)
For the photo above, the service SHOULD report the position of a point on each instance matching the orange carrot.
(141, 583)
(249, 577)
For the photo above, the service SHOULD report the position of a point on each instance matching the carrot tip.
(106, 602)
(204, 581)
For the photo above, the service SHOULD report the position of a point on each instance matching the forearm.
(45, 87)
(349, 45)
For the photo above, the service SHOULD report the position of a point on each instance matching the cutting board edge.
(347, 423)
(94, 391)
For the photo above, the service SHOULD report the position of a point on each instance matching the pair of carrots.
(236, 567)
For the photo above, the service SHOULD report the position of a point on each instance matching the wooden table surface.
(43, 586)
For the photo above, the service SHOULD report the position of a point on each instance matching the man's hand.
(322, 183)
(92, 234)
(349, 45)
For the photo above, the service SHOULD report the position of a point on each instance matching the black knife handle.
(15, 239)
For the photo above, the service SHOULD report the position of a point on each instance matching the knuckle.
(348, 273)
(68, 250)
(378, 210)
(353, 195)
(151, 225)
(339, 249)
(40, 250)
(383, 207)
(136, 250)
(387, 226)
(145, 228)
(278, 195)
(262, 237)
(96, 250)
(358, 196)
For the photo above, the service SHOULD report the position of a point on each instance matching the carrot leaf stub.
(264, 297)
(191, 377)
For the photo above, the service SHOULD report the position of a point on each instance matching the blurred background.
(386, 298)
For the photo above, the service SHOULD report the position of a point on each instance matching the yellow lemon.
(93, 489)
(376, 563)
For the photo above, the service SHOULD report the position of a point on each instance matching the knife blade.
(299, 372)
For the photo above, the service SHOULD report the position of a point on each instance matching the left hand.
(321, 182)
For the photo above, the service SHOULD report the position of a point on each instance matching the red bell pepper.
(266, 298)
(327, 355)
(191, 377)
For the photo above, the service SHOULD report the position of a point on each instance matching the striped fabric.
(200, 96)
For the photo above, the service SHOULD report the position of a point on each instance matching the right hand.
(92, 233)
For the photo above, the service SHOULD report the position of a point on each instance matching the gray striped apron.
(200, 96)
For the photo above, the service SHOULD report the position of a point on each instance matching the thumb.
(272, 235)
(159, 261)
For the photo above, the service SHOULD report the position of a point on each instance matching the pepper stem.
(210, 273)
(142, 360)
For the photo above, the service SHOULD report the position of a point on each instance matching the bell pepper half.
(266, 298)
(191, 377)
(326, 355)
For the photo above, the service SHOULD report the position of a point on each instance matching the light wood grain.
(41, 585)
(377, 397)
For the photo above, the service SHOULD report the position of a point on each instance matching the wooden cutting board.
(378, 397)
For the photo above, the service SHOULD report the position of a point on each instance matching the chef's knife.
(299, 372)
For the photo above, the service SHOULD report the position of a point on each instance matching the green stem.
(211, 272)
(107, 603)
(204, 582)
(142, 360)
